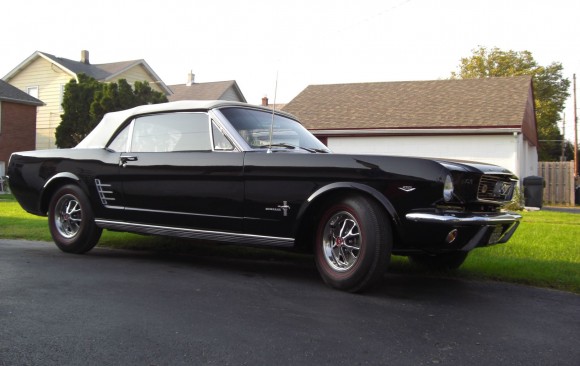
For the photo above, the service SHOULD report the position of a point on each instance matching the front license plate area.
(495, 235)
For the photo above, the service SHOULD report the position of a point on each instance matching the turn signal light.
(451, 236)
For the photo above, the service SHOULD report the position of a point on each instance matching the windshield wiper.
(290, 146)
(279, 144)
(324, 151)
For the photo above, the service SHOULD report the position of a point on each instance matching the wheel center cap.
(339, 241)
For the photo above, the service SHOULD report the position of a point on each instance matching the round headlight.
(448, 189)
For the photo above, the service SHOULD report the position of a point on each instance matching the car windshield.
(254, 127)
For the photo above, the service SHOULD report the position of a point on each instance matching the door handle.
(124, 159)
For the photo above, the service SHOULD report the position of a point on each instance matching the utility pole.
(575, 131)
(563, 156)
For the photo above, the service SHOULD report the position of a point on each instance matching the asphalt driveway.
(113, 307)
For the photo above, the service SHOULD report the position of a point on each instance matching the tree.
(86, 102)
(113, 97)
(550, 89)
(75, 121)
(145, 95)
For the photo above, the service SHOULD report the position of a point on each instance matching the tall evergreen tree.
(75, 121)
(86, 102)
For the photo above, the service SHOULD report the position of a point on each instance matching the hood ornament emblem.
(407, 188)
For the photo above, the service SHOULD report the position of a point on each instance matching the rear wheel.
(353, 243)
(71, 221)
(443, 261)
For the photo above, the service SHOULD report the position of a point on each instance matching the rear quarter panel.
(33, 175)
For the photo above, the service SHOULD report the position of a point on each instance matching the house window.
(0, 117)
(32, 91)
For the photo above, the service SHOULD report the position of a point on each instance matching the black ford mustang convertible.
(231, 172)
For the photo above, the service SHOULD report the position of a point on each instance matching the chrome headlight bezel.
(448, 188)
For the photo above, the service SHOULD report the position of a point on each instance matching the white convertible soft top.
(101, 134)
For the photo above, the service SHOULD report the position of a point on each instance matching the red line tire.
(353, 243)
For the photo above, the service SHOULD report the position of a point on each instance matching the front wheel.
(71, 221)
(443, 261)
(353, 243)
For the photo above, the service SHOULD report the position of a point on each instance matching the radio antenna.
(273, 110)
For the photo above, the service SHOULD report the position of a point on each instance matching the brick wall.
(18, 130)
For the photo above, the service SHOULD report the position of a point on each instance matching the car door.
(277, 186)
(181, 171)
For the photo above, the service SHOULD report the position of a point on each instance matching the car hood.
(472, 167)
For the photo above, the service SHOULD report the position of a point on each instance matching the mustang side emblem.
(407, 188)
(280, 208)
(284, 207)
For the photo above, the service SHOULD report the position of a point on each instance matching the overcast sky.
(302, 41)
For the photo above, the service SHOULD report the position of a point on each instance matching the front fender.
(352, 187)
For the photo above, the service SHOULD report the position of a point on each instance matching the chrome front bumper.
(494, 228)
(451, 219)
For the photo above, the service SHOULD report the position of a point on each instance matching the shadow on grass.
(555, 274)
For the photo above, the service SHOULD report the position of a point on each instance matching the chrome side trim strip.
(179, 213)
(451, 219)
(115, 207)
(235, 238)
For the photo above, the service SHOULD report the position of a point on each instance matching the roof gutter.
(21, 101)
(418, 131)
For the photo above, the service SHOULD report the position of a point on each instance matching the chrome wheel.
(341, 241)
(353, 243)
(71, 220)
(68, 216)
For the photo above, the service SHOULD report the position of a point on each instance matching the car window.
(171, 132)
(220, 141)
(120, 141)
(254, 126)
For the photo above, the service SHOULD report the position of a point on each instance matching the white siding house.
(44, 76)
(488, 120)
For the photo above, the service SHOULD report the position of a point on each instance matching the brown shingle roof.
(204, 91)
(491, 102)
(277, 106)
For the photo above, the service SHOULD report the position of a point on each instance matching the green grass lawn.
(544, 251)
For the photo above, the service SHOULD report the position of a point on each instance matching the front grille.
(496, 188)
